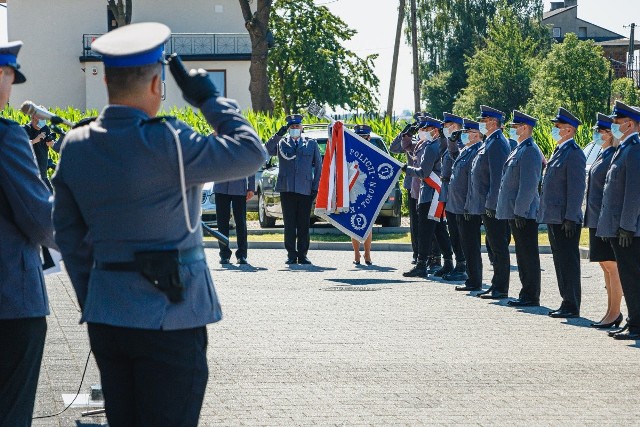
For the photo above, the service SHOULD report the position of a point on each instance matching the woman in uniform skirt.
(600, 250)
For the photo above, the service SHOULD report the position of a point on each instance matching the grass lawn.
(543, 238)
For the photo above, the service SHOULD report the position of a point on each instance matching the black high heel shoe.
(614, 324)
(618, 331)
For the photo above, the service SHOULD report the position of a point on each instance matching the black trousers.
(471, 242)
(456, 244)
(413, 225)
(151, 377)
(224, 204)
(21, 348)
(296, 213)
(528, 257)
(497, 230)
(628, 260)
(566, 260)
(444, 242)
(426, 229)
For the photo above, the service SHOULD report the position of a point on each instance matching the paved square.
(332, 344)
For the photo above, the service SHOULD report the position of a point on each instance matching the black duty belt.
(187, 256)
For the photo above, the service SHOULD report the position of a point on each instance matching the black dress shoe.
(466, 288)
(523, 303)
(242, 260)
(224, 260)
(414, 261)
(456, 276)
(303, 260)
(564, 314)
(487, 291)
(627, 336)
(494, 295)
(555, 311)
(291, 261)
(618, 331)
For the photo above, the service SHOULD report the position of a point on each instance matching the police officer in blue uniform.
(300, 164)
(25, 225)
(484, 185)
(452, 130)
(397, 146)
(126, 214)
(518, 202)
(619, 220)
(600, 250)
(561, 198)
(468, 225)
(233, 195)
(430, 161)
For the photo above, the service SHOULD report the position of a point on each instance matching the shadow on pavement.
(241, 268)
(365, 282)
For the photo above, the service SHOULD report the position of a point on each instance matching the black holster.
(162, 269)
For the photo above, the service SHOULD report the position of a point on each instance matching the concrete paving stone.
(331, 344)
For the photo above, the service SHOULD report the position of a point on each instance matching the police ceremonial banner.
(356, 179)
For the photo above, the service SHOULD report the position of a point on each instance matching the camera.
(49, 137)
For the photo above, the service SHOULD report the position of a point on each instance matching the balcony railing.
(191, 44)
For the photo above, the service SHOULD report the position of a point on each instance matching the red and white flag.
(333, 189)
(436, 211)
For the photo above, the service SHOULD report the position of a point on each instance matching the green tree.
(574, 75)
(624, 89)
(452, 30)
(500, 73)
(309, 62)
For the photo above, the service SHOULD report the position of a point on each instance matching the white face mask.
(423, 135)
(447, 133)
(295, 133)
(483, 128)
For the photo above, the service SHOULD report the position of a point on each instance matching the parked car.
(208, 205)
(269, 208)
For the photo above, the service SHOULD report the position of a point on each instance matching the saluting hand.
(283, 130)
(196, 86)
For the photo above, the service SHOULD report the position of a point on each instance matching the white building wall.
(52, 35)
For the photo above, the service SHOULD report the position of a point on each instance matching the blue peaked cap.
(520, 117)
(564, 116)
(9, 58)
(133, 45)
(452, 118)
(603, 121)
(621, 109)
(471, 124)
(486, 111)
(430, 122)
(293, 119)
(362, 129)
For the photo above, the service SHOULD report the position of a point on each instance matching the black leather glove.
(519, 222)
(406, 128)
(283, 130)
(625, 237)
(467, 216)
(314, 193)
(490, 213)
(196, 86)
(455, 136)
(605, 239)
(404, 167)
(569, 228)
(412, 130)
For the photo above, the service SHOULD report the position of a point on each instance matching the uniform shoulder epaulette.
(84, 122)
(529, 143)
(159, 119)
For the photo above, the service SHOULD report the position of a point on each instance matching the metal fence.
(193, 44)
(627, 69)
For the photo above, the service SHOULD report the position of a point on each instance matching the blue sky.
(375, 21)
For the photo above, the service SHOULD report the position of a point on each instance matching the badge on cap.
(133, 45)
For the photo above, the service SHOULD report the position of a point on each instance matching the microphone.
(30, 109)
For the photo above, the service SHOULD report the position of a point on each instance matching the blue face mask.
(615, 130)
(555, 134)
(483, 128)
(513, 134)
(447, 133)
(295, 133)
(42, 123)
(597, 138)
(464, 138)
